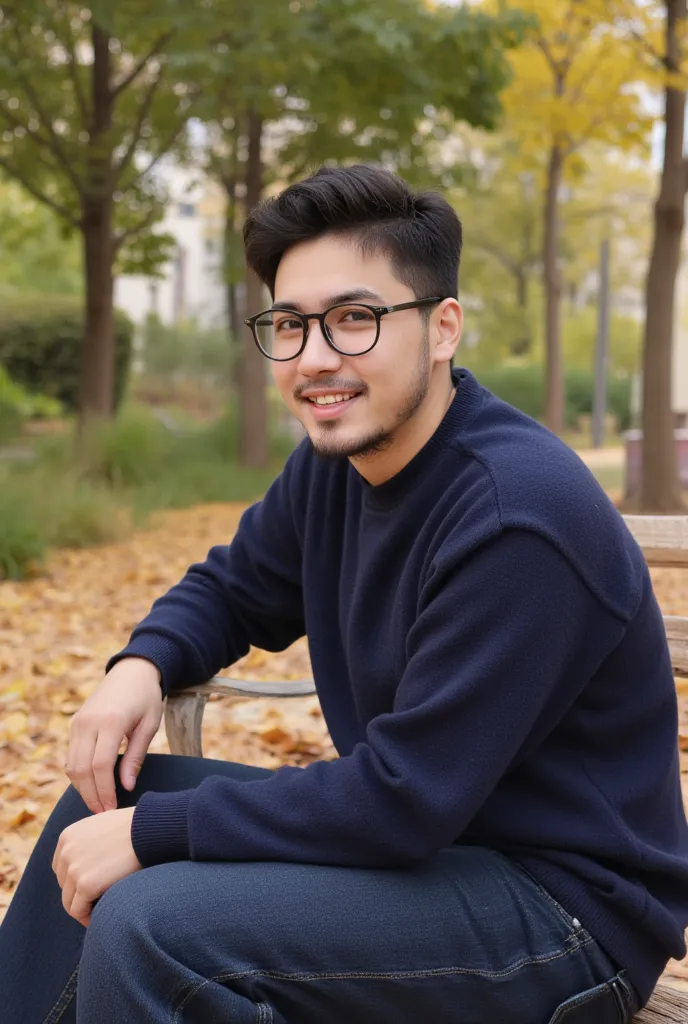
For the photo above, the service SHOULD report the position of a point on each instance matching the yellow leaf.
(15, 724)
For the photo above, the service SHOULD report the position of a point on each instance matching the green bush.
(41, 347)
(127, 469)
(18, 405)
(524, 387)
(78, 514)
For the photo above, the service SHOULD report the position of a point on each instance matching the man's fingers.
(134, 756)
(104, 757)
(79, 907)
(79, 769)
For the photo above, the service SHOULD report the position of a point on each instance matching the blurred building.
(191, 285)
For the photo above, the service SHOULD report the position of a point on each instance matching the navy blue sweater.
(491, 664)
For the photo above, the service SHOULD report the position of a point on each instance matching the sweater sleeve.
(503, 644)
(246, 593)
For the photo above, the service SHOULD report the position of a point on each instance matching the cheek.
(283, 377)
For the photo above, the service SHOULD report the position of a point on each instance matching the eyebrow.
(354, 295)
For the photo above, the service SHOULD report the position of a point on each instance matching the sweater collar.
(463, 408)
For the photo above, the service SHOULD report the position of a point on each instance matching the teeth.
(330, 399)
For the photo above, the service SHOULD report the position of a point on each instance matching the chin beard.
(359, 449)
(381, 440)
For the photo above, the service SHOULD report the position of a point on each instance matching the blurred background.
(133, 141)
(137, 417)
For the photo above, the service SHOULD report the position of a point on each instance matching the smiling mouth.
(322, 401)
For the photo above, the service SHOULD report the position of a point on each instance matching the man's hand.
(128, 703)
(91, 855)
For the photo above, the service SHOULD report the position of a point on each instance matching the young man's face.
(394, 382)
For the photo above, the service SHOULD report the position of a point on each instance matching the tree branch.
(135, 229)
(144, 110)
(53, 137)
(40, 196)
(160, 43)
(74, 75)
(506, 261)
(164, 150)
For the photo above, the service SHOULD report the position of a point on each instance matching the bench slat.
(667, 1006)
(676, 627)
(252, 687)
(663, 539)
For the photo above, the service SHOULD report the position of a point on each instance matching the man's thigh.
(467, 937)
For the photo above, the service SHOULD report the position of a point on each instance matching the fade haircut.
(419, 232)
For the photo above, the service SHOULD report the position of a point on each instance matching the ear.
(447, 325)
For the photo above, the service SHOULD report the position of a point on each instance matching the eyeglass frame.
(379, 312)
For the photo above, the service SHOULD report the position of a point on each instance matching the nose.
(317, 357)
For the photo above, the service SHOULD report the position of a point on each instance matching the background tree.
(35, 256)
(604, 195)
(90, 101)
(322, 82)
(568, 89)
(656, 33)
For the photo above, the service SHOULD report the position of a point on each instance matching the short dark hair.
(419, 231)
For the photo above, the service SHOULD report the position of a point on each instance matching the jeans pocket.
(611, 1002)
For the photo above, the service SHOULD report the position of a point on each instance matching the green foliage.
(17, 405)
(35, 256)
(41, 345)
(524, 388)
(187, 350)
(128, 469)
(78, 514)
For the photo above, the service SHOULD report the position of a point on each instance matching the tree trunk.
(231, 240)
(554, 371)
(660, 487)
(98, 363)
(254, 447)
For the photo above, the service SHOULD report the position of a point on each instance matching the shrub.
(78, 514)
(17, 405)
(41, 346)
(524, 387)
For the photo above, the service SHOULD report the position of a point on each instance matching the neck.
(410, 437)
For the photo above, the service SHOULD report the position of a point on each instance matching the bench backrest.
(664, 542)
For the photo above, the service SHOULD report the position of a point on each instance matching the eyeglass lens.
(351, 328)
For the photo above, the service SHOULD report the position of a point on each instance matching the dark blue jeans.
(467, 938)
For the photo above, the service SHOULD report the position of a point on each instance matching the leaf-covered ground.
(57, 632)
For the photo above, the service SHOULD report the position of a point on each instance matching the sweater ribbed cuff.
(159, 828)
(160, 650)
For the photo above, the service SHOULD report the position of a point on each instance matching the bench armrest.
(184, 708)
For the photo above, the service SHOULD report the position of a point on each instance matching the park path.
(58, 630)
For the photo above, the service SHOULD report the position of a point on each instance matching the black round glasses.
(350, 328)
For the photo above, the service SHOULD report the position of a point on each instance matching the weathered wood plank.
(184, 708)
(676, 627)
(184, 723)
(663, 539)
(251, 688)
(667, 1006)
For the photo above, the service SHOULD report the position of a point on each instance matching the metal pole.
(599, 409)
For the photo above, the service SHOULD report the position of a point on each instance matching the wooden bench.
(664, 542)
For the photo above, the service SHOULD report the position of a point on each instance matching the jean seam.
(60, 1007)
(435, 972)
(264, 1010)
(562, 912)
(264, 1013)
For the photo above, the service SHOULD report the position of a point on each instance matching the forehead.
(311, 272)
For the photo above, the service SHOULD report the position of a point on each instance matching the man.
(502, 838)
